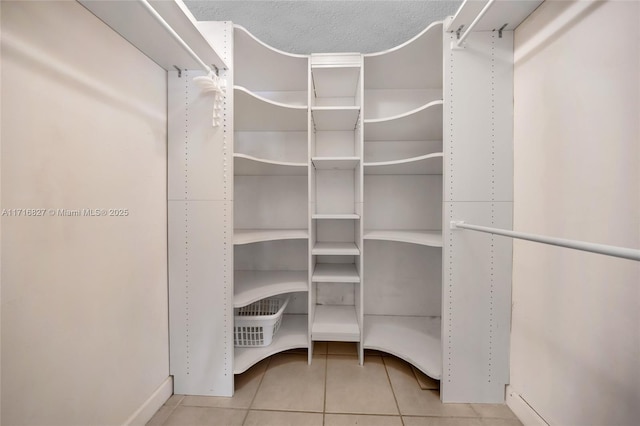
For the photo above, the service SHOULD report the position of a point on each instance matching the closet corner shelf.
(251, 286)
(414, 339)
(248, 236)
(430, 164)
(246, 165)
(335, 249)
(335, 273)
(422, 123)
(291, 335)
(335, 163)
(261, 114)
(335, 323)
(335, 118)
(431, 238)
(335, 216)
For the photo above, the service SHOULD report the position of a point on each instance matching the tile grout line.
(244, 420)
(326, 369)
(393, 392)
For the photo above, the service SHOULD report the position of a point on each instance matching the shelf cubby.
(248, 236)
(246, 165)
(269, 72)
(256, 113)
(252, 285)
(412, 338)
(335, 118)
(335, 323)
(335, 163)
(335, 84)
(422, 123)
(293, 334)
(335, 273)
(429, 164)
(325, 248)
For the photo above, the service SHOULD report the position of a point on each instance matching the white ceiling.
(314, 26)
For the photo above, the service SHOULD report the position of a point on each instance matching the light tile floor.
(333, 391)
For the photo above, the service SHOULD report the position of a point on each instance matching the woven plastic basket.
(257, 324)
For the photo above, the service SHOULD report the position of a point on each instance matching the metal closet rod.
(623, 252)
(174, 34)
(475, 22)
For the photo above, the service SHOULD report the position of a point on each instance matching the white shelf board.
(423, 123)
(255, 113)
(335, 216)
(335, 163)
(135, 23)
(335, 273)
(335, 81)
(291, 335)
(246, 165)
(248, 236)
(251, 286)
(335, 118)
(262, 68)
(414, 339)
(415, 64)
(415, 236)
(429, 164)
(335, 248)
(511, 13)
(335, 323)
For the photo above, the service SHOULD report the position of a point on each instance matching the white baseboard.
(523, 410)
(144, 413)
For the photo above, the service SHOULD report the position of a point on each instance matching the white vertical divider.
(478, 188)
(359, 193)
(311, 180)
(200, 199)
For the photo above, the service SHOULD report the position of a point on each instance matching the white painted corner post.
(200, 229)
(478, 188)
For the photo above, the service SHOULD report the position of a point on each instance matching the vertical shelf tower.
(271, 230)
(335, 198)
(403, 200)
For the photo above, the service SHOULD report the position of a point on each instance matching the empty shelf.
(335, 81)
(335, 273)
(422, 237)
(430, 164)
(335, 323)
(255, 113)
(337, 249)
(246, 165)
(247, 236)
(291, 335)
(335, 163)
(423, 123)
(251, 286)
(335, 118)
(335, 216)
(414, 339)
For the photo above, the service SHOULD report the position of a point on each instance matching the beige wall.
(84, 299)
(575, 352)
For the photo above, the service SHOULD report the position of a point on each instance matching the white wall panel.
(201, 296)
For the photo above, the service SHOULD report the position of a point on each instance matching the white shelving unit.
(335, 198)
(271, 170)
(403, 161)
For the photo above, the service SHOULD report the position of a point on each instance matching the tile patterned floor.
(333, 391)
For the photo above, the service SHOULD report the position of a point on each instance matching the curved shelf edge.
(406, 43)
(405, 160)
(406, 338)
(249, 236)
(404, 115)
(251, 286)
(262, 43)
(263, 166)
(423, 238)
(268, 101)
(291, 335)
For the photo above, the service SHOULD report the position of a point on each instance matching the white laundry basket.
(256, 324)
